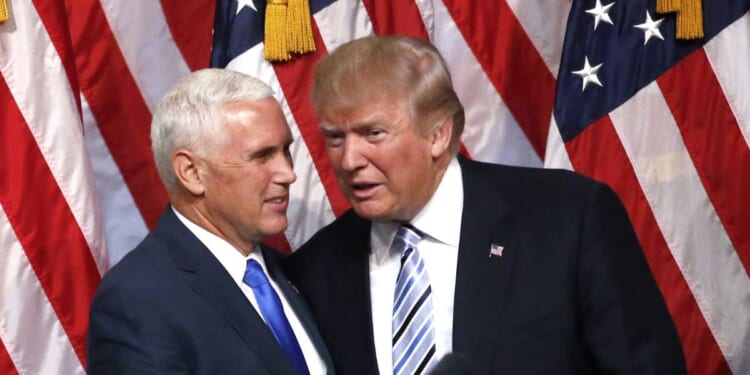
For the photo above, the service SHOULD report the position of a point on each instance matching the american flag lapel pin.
(496, 250)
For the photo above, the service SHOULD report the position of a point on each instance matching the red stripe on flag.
(6, 365)
(593, 153)
(713, 140)
(52, 15)
(44, 225)
(117, 105)
(396, 17)
(296, 78)
(191, 24)
(511, 62)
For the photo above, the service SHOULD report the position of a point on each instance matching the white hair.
(187, 116)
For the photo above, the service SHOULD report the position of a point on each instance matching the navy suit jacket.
(170, 307)
(571, 293)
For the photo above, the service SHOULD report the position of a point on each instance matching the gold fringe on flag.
(689, 16)
(667, 6)
(300, 37)
(288, 29)
(690, 20)
(275, 32)
(4, 14)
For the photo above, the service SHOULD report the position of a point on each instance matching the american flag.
(668, 128)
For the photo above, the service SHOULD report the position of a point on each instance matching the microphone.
(452, 364)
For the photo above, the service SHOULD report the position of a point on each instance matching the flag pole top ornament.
(288, 29)
(4, 14)
(689, 16)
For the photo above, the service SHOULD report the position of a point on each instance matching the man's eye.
(334, 139)
(375, 134)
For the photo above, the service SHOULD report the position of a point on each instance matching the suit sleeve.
(128, 336)
(626, 324)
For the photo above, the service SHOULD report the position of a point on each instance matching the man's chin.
(371, 212)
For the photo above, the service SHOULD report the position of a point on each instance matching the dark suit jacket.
(571, 294)
(169, 307)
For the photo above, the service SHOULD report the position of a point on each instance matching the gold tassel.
(299, 28)
(689, 16)
(690, 20)
(275, 31)
(4, 14)
(667, 6)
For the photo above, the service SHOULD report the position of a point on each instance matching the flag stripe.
(512, 64)
(735, 41)
(6, 365)
(673, 189)
(544, 23)
(329, 22)
(52, 16)
(144, 51)
(711, 146)
(396, 17)
(63, 242)
(191, 24)
(124, 118)
(593, 152)
(491, 133)
(123, 223)
(27, 59)
(294, 77)
(36, 343)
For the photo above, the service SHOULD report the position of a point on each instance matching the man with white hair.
(195, 296)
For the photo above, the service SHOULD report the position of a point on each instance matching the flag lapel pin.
(496, 250)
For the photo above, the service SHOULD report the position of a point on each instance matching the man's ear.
(187, 169)
(441, 137)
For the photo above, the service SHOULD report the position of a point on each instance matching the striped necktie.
(413, 331)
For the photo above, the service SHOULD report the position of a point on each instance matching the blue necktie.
(413, 331)
(273, 312)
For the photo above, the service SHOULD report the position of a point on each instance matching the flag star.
(243, 3)
(650, 28)
(601, 13)
(589, 74)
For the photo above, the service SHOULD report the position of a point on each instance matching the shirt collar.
(441, 217)
(230, 258)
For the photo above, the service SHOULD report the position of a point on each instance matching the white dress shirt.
(235, 263)
(440, 221)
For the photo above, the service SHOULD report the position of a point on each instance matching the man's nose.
(352, 157)
(285, 170)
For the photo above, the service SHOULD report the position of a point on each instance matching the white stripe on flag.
(687, 220)
(142, 33)
(723, 51)
(491, 133)
(544, 23)
(29, 328)
(28, 58)
(123, 223)
(341, 22)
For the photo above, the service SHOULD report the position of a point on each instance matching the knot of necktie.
(254, 275)
(406, 240)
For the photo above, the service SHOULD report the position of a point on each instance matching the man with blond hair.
(517, 270)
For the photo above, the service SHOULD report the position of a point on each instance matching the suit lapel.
(350, 297)
(297, 304)
(210, 281)
(481, 278)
